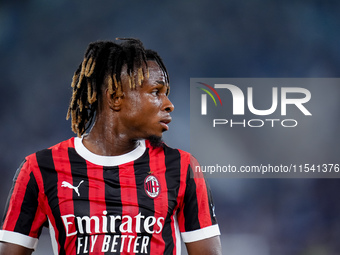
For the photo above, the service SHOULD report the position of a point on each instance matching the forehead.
(156, 73)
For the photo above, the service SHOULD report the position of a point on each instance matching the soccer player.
(116, 188)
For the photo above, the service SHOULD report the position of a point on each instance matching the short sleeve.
(196, 218)
(23, 218)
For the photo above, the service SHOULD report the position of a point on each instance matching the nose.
(167, 105)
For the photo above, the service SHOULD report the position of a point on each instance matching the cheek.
(150, 104)
(142, 107)
(131, 106)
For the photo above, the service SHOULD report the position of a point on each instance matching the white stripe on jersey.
(178, 236)
(53, 240)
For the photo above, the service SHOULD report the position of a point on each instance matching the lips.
(164, 122)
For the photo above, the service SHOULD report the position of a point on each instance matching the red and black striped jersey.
(142, 202)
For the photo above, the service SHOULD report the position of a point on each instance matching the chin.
(155, 141)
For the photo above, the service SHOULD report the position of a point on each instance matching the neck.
(102, 140)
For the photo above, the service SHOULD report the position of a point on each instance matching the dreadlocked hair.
(102, 64)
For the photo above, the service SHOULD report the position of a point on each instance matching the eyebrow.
(164, 85)
(161, 82)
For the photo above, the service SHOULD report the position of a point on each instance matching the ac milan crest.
(151, 186)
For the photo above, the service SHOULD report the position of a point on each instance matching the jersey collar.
(108, 160)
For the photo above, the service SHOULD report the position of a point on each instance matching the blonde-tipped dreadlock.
(103, 61)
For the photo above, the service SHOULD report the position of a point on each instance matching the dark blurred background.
(42, 43)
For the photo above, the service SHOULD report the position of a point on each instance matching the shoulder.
(187, 161)
(169, 152)
(62, 146)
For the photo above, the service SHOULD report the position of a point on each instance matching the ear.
(114, 100)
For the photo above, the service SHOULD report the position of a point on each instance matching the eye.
(155, 92)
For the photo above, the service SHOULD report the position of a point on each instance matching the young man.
(117, 189)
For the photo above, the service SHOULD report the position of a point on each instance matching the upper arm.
(209, 246)
(197, 219)
(13, 249)
(197, 210)
(24, 217)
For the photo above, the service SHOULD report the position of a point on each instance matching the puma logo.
(70, 186)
